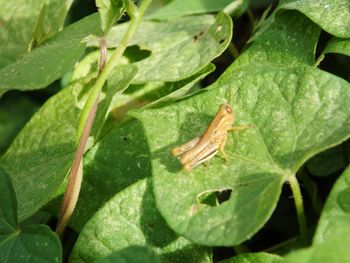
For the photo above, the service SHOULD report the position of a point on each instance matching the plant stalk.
(299, 205)
(88, 114)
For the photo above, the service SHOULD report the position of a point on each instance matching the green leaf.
(41, 155)
(332, 15)
(18, 20)
(49, 62)
(179, 48)
(334, 249)
(339, 46)
(35, 243)
(335, 217)
(134, 254)
(32, 244)
(131, 218)
(177, 8)
(8, 206)
(110, 11)
(50, 20)
(254, 258)
(158, 92)
(121, 152)
(295, 111)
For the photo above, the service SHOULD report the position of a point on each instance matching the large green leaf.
(40, 156)
(118, 160)
(179, 48)
(18, 20)
(36, 243)
(177, 8)
(131, 218)
(295, 111)
(134, 254)
(335, 217)
(332, 15)
(49, 62)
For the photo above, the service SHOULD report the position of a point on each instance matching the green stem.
(298, 200)
(311, 188)
(319, 60)
(233, 50)
(88, 114)
(135, 15)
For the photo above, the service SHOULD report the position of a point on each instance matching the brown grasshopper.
(212, 141)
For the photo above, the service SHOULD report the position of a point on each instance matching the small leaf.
(254, 258)
(177, 8)
(335, 217)
(134, 254)
(110, 11)
(339, 46)
(131, 218)
(179, 48)
(332, 15)
(49, 62)
(35, 243)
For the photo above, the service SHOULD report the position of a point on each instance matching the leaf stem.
(89, 111)
(299, 205)
(233, 50)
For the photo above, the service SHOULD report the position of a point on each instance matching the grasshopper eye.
(228, 109)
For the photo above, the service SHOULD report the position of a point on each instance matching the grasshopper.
(213, 140)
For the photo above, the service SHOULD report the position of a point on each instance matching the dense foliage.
(76, 129)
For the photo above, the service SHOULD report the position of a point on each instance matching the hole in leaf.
(222, 41)
(134, 53)
(214, 197)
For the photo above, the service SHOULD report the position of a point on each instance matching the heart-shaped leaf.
(131, 218)
(286, 104)
(123, 151)
(36, 243)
